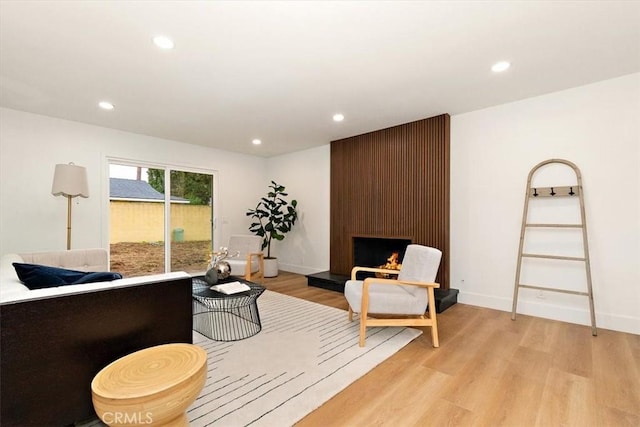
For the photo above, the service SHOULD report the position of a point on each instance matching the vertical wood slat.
(391, 182)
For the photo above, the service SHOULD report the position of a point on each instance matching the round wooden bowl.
(154, 386)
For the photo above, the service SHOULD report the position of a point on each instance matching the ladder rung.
(566, 258)
(555, 225)
(543, 288)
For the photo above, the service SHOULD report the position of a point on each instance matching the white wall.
(31, 219)
(305, 175)
(492, 151)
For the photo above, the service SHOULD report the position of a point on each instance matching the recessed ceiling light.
(256, 142)
(105, 105)
(338, 117)
(501, 66)
(163, 42)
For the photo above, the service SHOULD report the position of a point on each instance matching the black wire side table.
(223, 317)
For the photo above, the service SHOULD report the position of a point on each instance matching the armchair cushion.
(420, 264)
(238, 265)
(387, 299)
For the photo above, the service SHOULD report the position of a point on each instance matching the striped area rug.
(305, 354)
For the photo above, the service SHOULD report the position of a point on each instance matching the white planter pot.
(270, 267)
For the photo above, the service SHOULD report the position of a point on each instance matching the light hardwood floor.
(488, 371)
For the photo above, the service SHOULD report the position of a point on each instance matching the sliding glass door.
(153, 230)
(191, 221)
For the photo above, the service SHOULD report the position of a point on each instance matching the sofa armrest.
(36, 294)
(10, 285)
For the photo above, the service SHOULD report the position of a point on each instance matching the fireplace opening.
(379, 252)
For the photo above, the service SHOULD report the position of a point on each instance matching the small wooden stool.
(153, 386)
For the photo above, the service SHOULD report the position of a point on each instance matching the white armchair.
(410, 296)
(250, 260)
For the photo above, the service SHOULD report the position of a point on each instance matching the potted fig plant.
(273, 217)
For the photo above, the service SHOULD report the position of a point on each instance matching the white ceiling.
(278, 71)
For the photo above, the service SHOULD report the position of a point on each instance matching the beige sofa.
(53, 341)
(12, 289)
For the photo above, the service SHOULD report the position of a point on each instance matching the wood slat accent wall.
(391, 183)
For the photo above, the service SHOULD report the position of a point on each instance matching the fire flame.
(392, 263)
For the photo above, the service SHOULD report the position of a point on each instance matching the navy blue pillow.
(36, 276)
(99, 276)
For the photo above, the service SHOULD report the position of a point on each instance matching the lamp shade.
(70, 180)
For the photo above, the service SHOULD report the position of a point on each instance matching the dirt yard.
(138, 259)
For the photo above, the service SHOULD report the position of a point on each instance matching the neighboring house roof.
(132, 189)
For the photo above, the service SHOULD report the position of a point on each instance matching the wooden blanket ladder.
(555, 192)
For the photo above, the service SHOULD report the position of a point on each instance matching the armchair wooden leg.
(434, 336)
(363, 330)
(258, 275)
(364, 310)
(432, 316)
(247, 269)
(261, 267)
(350, 314)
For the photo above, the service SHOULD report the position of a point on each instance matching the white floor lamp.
(70, 181)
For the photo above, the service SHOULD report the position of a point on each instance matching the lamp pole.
(68, 222)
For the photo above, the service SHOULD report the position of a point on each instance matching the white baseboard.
(555, 312)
